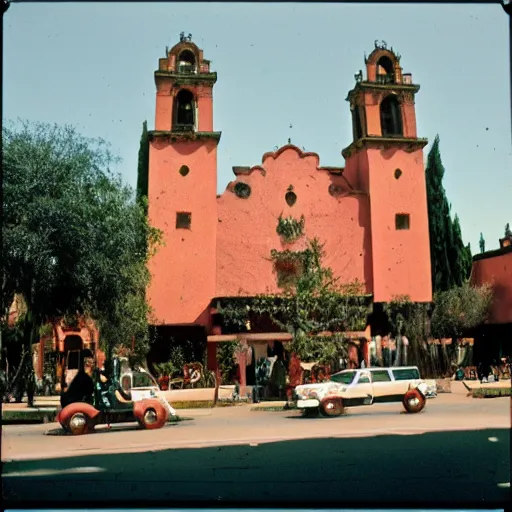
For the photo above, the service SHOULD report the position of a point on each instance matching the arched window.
(385, 72)
(184, 109)
(357, 125)
(390, 116)
(186, 62)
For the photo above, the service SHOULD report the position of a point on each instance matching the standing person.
(30, 385)
(479, 372)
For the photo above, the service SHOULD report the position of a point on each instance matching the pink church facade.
(370, 213)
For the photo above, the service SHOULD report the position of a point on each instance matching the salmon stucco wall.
(183, 269)
(496, 270)
(401, 258)
(246, 231)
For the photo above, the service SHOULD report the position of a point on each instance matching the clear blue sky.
(91, 65)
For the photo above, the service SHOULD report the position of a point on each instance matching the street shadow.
(431, 469)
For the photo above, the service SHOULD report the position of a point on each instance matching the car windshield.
(343, 377)
(142, 380)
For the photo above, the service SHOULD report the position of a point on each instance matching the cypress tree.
(461, 264)
(439, 220)
(143, 164)
(450, 258)
(482, 243)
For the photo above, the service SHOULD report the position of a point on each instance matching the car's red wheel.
(79, 424)
(332, 407)
(414, 401)
(154, 416)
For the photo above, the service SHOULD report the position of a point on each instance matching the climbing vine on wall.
(289, 266)
(412, 320)
(323, 349)
(314, 302)
(290, 229)
(227, 363)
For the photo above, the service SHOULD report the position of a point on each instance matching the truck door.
(364, 387)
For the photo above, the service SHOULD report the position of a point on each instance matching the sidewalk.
(172, 396)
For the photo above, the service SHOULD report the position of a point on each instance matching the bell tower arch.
(386, 159)
(182, 187)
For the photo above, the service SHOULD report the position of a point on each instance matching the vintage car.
(107, 398)
(142, 385)
(363, 386)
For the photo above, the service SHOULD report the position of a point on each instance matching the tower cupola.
(382, 105)
(184, 89)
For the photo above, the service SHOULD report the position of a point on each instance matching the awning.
(281, 336)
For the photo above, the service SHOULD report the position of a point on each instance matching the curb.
(274, 408)
(29, 416)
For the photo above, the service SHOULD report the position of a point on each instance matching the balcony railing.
(188, 69)
(385, 79)
(181, 127)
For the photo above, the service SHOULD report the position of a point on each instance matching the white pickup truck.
(364, 386)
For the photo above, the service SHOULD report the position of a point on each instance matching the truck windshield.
(343, 377)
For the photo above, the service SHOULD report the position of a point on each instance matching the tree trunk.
(217, 384)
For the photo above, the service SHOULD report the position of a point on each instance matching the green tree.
(143, 166)
(450, 259)
(438, 214)
(460, 309)
(482, 243)
(74, 238)
(461, 260)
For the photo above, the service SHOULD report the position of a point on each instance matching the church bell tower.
(182, 187)
(386, 160)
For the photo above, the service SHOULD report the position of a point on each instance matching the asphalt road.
(456, 451)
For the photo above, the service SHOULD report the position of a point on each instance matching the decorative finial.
(365, 58)
(189, 38)
(182, 37)
(381, 45)
(289, 141)
(166, 51)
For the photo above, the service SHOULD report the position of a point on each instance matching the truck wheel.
(153, 417)
(332, 407)
(414, 401)
(79, 424)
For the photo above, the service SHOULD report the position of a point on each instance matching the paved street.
(457, 450)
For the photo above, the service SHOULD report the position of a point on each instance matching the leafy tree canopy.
(460, 309)
(74, 238)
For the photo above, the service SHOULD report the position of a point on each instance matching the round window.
(242, 190)
(184, 170)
